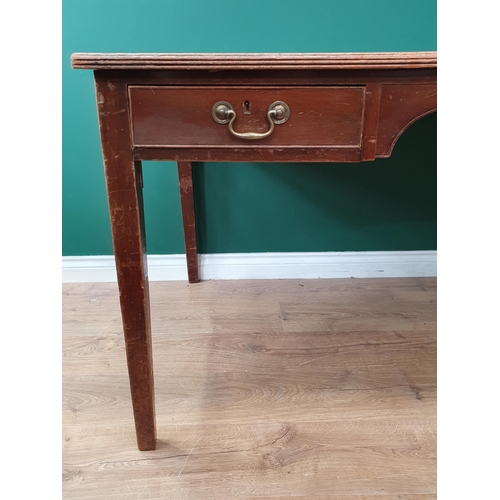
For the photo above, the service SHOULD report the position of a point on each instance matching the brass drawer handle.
(223, 112)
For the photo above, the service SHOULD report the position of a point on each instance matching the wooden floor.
(264, 389)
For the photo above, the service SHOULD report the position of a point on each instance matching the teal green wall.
(388, 204)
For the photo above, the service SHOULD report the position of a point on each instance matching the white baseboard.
(276, 265)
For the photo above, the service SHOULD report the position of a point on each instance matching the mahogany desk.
(233, 107)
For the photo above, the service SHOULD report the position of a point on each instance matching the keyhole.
(246, 107)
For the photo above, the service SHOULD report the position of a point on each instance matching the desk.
(233, 107)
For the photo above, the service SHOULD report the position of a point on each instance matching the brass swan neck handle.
(223, 112)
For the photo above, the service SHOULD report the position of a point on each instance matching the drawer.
(181, 116)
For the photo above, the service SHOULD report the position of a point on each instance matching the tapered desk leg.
(131, 268)
(188, 218)
(124, 187)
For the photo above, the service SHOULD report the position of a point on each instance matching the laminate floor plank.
(386, 454)
(253, 400)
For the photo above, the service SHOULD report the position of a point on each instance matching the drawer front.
(170, 116)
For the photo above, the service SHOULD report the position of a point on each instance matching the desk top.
(284, 61)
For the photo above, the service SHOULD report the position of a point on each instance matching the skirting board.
(276, 265)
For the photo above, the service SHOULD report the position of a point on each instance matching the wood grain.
(185, 172)
(262, 408)
(413, 102)
(217, 62)
(174, 116)
(124, 190)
